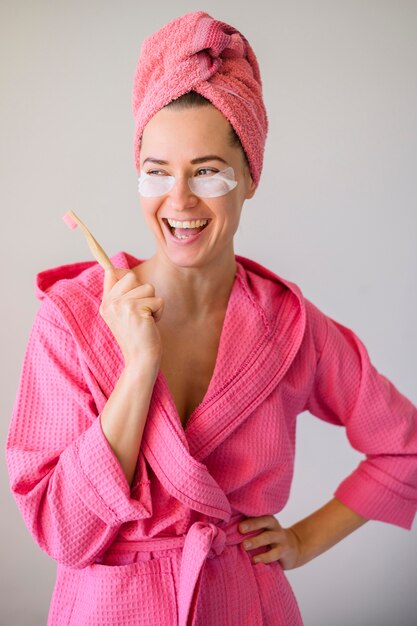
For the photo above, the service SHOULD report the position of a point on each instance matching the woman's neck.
(190, 293)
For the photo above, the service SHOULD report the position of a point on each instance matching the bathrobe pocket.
(137, 594)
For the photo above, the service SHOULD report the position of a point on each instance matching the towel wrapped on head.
(195, 52)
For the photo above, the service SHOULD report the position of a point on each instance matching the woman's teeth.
(191, 224)
(184, 230)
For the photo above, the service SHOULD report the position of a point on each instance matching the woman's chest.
(188, 361)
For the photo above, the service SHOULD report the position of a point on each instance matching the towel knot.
(213, 42)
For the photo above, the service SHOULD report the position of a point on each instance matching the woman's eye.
(208, 170)
(151, 172)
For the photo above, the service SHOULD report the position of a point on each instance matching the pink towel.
(198, 53)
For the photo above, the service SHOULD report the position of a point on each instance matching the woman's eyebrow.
(202, 159)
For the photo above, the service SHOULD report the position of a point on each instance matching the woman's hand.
(131, 311)
(283, 542)
(305, 540)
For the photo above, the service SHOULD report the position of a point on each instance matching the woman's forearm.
(124, 415)
(324, 528)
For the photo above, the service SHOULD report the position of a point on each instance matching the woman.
(157, 405)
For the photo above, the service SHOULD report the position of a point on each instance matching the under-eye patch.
(218, 184)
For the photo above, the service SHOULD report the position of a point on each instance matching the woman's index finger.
(114, 276)
(111, 276)
(109, 279)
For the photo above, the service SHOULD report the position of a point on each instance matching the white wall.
(335, 212)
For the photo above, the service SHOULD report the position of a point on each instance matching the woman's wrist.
(141, 369)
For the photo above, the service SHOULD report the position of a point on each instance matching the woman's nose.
(181, 196)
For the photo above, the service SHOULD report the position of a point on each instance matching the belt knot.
(218, 541)
(208, 536)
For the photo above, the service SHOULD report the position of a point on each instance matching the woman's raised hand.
(131, 310)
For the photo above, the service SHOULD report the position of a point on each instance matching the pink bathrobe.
(168, 551)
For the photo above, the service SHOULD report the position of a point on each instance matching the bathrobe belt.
(204, 540)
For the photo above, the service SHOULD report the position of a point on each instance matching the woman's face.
(178, 137)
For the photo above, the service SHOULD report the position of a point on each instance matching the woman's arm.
(323, 529)
(380, 422)
(70, 486)
(300, 543)
(71, 468)
(124, 416)
(131, 311)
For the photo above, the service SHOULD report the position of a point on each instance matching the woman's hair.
(191, 100)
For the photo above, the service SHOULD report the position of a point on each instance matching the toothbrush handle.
(98, 251)
(94, 246)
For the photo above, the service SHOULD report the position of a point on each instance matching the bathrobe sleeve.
(380, 422)
(67, 482)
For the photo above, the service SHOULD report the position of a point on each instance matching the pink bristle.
(69, 221)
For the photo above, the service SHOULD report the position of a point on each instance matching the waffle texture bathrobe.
(168, 551)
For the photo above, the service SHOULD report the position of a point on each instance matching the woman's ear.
(251, 188)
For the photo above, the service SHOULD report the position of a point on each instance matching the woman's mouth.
(186, 229)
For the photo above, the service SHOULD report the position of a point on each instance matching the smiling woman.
(158, 401)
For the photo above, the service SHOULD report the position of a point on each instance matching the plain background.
(335, 212)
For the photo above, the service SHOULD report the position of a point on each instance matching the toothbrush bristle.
(69, 221)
